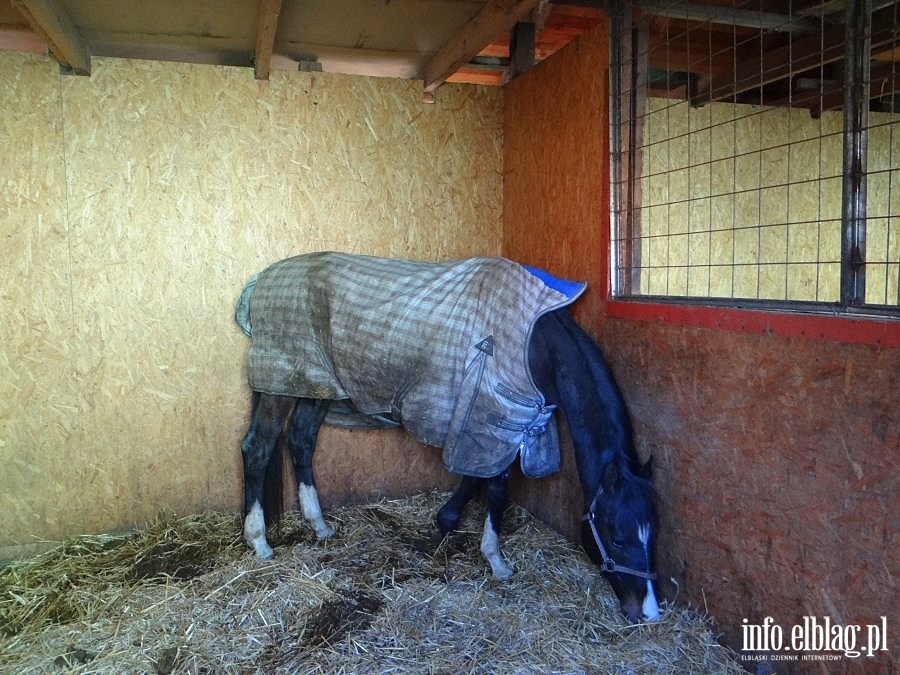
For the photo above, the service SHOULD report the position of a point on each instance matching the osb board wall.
(551, 161)
(776, 464)
(135, 205)
(555, 204)
(743, 201)
(775, 458)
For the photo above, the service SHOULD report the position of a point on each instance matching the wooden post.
(521, 48)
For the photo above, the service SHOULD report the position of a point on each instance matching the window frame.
(850, 319)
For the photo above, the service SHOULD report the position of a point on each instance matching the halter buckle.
(608, 565)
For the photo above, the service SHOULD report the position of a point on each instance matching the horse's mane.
(589, 398)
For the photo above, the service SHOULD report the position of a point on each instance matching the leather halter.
(608, 564)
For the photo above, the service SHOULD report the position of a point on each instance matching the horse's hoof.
(501, 570)
(265, 553)
(324, 532)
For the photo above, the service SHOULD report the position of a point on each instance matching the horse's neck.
(591, 403)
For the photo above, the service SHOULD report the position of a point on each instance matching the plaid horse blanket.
(441, 348)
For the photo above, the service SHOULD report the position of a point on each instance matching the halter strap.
(608, 564)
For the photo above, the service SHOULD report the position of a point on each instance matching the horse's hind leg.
(448, 516)
(257, 449)
(495, 497)
(301, 440)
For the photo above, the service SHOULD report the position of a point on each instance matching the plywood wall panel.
(776, 460)
(786, 179)
(552, 185)
(37, 378)
(555, 206)
(140, 201)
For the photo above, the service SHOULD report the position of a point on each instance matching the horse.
(568, 369)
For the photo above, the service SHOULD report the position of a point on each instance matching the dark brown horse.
(567, 368)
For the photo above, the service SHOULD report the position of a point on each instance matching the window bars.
(756, 153)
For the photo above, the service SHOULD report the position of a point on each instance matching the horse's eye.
(618, 543)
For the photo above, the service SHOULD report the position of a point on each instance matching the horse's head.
(617, 533)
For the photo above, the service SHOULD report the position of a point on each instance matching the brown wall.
(555, 202)
(775, 457)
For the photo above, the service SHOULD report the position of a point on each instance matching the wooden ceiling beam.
(830, 95)
(678, 56)
(805, 53)
(496, 17)
(729, 16)
(49, 19)
(266, 27)
(776, 64)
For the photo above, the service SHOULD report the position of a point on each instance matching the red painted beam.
(854, 330)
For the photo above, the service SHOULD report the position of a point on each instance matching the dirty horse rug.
(441, 348)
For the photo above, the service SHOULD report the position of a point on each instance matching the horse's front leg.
(301, 441)
(257, 450)
(447, 518)
(496, 493)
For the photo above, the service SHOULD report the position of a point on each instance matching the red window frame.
(864, 331)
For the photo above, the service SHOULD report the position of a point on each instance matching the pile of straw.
(386, 594)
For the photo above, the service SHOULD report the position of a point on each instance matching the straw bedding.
(386, 594)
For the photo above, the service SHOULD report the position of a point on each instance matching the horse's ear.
(646, 470)
(610, 478)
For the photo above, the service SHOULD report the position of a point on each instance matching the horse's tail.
(242, 310)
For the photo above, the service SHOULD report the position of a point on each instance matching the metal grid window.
(756, 153)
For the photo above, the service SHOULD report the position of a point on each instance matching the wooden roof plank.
(496, 17)
(883, 81)
(729, 16)
(49, 19)
(797, 56)
(266, 27)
